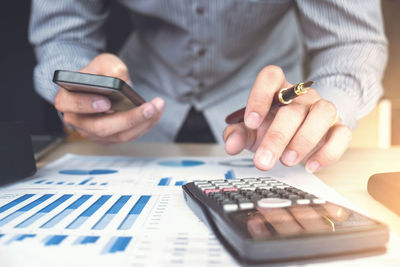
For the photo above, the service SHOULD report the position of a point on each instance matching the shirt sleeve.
(347, 51)
(66, 35)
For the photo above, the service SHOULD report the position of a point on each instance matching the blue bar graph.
(165, 181)
(20, 238)
(134, 213)
(50, 182)
(15, 202)
(43, 211)
(85, 181)
(110, 214)
(103, 183)
(60, 183)
(88, 212)
(1, 235)
(117, 244)
(70, 183)
(94, 183)
(24, 209)
(180, 183)
(54, 240)
(230, 174)
(40, 181)
(68, 210)
(83, 240)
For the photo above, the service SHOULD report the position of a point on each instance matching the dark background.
(18, 100)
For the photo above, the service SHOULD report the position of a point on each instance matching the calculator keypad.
(248, 193)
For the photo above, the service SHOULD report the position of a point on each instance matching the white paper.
(125, 211)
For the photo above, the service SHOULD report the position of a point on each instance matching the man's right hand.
(92, 116)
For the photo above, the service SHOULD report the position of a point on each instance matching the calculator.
(262, 220)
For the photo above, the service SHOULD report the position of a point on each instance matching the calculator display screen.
(298, 220)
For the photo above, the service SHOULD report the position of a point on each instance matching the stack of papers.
(127, 211)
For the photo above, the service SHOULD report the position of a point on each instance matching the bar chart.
(77, 214)
(84, 182)
(112, 245)
(166, 181)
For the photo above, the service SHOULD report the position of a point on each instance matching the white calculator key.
(230, 207)
(274, 203)
(318, 201)
(303, 201)
(246, 205)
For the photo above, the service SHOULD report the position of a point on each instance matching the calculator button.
(249, 179)
(281, 186)
(222, 184)
(266, 187)
(274, 203)
(272, 195)
(237, 182)
(230, 207)
(229, 189)
(236, 197)
(217, 181)
(255, 198)
(208, 191)
(318, 201)
(303, 201)
(309, 196)
(248, 188)
(207, 188)
(293, 197)
(246, 205)
(265, 179)
(202, 183)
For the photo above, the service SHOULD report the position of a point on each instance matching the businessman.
(213, 57)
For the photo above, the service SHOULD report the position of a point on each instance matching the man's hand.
(299, 131)
(92, 116)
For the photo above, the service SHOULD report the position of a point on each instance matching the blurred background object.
(19, 102)
(391, 81)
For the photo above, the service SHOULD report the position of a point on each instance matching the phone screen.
(262, 224)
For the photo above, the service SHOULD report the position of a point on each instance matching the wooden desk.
(349, 176)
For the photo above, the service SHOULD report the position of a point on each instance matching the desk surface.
(349, 176)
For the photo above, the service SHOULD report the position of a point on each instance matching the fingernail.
(290, 157)
(101, 105)
(148, 111)
(230, 141)
(312, 166)
(159, 103)
(264, 157)
(253, 120)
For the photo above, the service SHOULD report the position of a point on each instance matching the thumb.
(109, 65)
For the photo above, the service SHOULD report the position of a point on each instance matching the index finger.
(84, 103)
(269, 80)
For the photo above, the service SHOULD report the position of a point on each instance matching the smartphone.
(121, 95)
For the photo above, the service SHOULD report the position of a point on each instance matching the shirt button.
(189, 73)
(200, 10)
(202, 52)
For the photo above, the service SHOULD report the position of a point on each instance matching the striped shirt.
(207, 53)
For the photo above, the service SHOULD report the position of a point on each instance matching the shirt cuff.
(55, 57)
